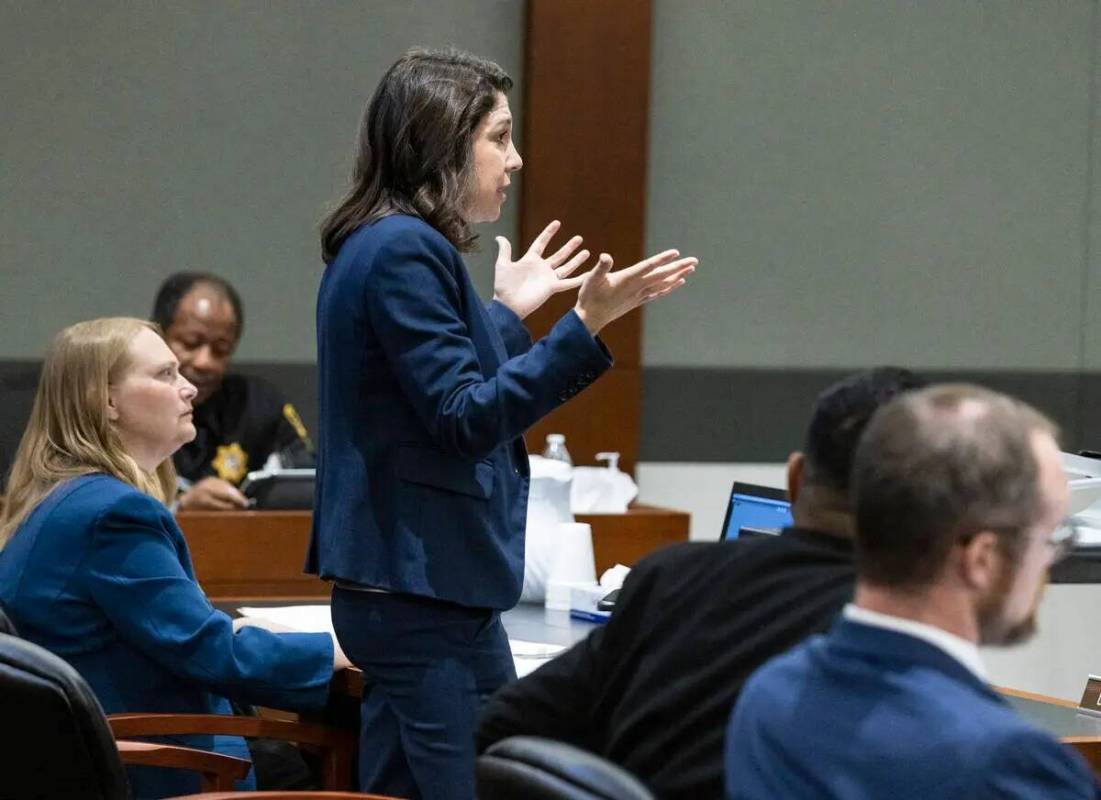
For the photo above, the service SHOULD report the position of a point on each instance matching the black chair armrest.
(533, 768)
(277, 795)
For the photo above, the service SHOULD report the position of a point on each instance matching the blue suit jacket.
(865, 714)
(425, 393)
(100, 574)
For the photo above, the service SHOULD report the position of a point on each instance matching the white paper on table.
(523, 649)
(308, 619)
(529, 656)
(526, 656)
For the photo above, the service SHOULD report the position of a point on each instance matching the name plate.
(1091, 696)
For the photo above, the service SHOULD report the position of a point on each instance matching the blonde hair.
(69, 434)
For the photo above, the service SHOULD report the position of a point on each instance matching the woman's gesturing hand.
(606, 296)
(525, 284)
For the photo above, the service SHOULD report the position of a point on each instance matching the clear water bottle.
(556, 449)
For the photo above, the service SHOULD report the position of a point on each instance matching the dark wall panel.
(756, 415)
(687, 415)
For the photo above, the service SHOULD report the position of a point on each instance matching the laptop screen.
(755, 511)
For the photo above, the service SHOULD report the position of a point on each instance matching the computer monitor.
(755, 511)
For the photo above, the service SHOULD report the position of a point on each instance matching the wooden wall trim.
(584, 143)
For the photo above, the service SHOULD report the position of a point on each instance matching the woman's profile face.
(150, 405)
(494, 157)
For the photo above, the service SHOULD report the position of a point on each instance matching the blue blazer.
(425, 392)
(866, 713)
(99, 573)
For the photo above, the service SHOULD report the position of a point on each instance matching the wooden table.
(259, 555)
(1063, 720)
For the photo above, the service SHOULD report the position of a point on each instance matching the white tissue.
(548, 505)
(602, 490)
(614, 577)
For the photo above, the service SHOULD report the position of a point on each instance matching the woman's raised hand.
(525, 284)
(606, 296)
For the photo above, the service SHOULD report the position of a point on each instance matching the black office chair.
(58, 745)
(56, 740)
(6, 625)
(531, 768)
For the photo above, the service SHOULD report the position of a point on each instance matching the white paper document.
(529, 656)
(308, 619)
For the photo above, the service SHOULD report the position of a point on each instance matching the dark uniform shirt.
(238, 428)
(652, 689)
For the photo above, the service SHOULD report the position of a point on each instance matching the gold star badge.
(230, 462)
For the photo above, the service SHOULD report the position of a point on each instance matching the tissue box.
(583, 600)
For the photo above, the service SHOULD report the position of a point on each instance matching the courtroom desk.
(533, 623)
(1063, 720)
(256, 555)
(251, 555)
(626, 538)
(527, 621)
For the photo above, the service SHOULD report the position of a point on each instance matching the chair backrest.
(6, 625)
(56, 743)
(531, 768)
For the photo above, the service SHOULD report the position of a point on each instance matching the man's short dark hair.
(937, 466)
(176, 286)
(840, 415)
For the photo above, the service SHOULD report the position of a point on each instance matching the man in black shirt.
(652, 690)
(241, 421)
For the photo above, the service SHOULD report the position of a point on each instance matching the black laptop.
(755, 511)
(284, 489)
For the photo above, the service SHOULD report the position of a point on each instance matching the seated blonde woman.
(94, 568)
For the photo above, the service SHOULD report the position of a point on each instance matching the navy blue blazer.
(425, 392)
(99, 573)
(865, 713)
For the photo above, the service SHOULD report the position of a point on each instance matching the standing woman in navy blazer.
(95, 569)
(425, 393)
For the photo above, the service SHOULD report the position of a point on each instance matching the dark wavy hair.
(841, 413)
(415, 145)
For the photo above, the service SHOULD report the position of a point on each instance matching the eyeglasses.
(1063, 539)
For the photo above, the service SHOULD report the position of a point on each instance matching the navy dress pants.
(428, 667)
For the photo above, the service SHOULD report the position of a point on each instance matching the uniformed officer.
(241, 421)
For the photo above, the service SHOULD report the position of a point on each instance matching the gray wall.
(141, 138)
(868, 182)
(872, 181)
(865, 181)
